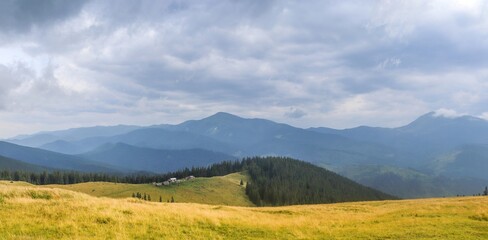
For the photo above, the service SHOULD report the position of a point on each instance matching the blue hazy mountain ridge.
(63, 146)
(426, 135)
(50, 159)
(153, 160)
(69, 135)
(428, 138)
(34, 140)
(157, 138)
(233, 135)
(264, 137)
(229, 128)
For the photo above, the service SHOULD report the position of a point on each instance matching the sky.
(337, 64)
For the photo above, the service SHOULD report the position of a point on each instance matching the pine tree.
(242, 183)
(145, 197)
(485, 193)
(160, 199)
(172, 199)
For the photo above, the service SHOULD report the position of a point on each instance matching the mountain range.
(432, 156)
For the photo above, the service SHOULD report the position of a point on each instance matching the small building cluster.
(172, 181)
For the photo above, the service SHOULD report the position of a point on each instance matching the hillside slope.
(50, 159)
(408, 183)
(223, 190)
(9, 164)
(43, 213)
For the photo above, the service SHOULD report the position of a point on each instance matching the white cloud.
(448, 113)
(484, 116)
(389, 63)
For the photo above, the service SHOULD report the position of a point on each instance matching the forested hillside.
(16, 165)
(279, 181)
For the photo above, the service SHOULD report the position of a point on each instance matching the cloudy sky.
(307, 63)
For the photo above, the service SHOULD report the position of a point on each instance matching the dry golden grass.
(28, 212)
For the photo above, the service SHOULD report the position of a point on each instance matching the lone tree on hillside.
(242, 183)
(172, 199)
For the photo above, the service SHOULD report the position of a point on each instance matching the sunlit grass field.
(224, 190)
(29, 212)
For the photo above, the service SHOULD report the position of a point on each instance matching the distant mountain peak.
(428, 117)
(440, 114)
(439, 120)
(451, 114)
(223, 115)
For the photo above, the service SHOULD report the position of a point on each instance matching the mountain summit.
(433, 121)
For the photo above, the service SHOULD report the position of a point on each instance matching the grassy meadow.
(225, 190)
(30, 212)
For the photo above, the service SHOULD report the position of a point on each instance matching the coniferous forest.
(279, 181)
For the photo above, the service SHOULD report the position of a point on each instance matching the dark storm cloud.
(21, 15)
(295, 113)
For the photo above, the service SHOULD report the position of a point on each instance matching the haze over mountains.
(432, 156)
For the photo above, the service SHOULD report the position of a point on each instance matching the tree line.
(73, 177)
(57, 177)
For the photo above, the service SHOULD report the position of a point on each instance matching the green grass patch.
(480, 217)
(40, 195)
(225, 190)
(104, 220)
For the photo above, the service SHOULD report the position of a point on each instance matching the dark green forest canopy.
(279, 181)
